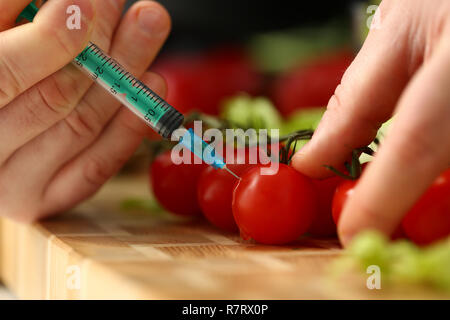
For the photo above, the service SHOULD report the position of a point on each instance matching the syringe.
(135, 95)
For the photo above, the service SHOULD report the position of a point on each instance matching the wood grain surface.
(98, 251)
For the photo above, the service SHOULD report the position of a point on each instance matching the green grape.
(302, 120)
(370, 248)
(402, 261)
(280, 51)
(436, 265)
(244, 111)
(382, 132)
(405, 259)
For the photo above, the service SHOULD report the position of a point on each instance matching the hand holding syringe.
(61, 136)
(135, 95)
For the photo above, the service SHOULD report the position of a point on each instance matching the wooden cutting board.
(98, 251)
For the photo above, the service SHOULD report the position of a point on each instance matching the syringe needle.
(232, 173)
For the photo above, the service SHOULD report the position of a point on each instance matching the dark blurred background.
(199, 23)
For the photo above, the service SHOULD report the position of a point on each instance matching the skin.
(402, 69)
(61, 137)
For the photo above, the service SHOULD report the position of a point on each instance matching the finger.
(10, 11)
(52, 99)
(69, 137)
(147, 23)
(414, 153)
(84, 175)
(31, 52)
(365, 99)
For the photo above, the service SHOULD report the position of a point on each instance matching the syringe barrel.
(131, 92)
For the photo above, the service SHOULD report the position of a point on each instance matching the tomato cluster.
(279, 207)
(274, 208)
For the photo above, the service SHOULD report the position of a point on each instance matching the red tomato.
(323, 224)
(274, 209)
(312, 85)
(215, 188)
(229, 70)
(175, 186)
(182, 75)
(215, 193)
(202, 81)
(429, 219)
(343, 191)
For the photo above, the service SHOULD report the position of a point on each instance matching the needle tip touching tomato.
(215, 193)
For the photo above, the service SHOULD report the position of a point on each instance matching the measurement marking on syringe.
(124, 75)
(106, 61)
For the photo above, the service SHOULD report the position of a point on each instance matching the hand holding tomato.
(426, 222)
(393, 72)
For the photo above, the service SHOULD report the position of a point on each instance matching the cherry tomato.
(311, 85)
(323, 224)
(429, 219)
(175, 186)
(274, 209)
(215, 188)
(182, 74)
(229, 70)
(342, 193)
(215, 193)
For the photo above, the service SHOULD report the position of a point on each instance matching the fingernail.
(151, 21)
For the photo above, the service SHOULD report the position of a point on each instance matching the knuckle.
(48, 101)
(96, 171)
(335, 105)
(82, 125)
(61, 95)
(54, 96)
(103, 31)
(12, 81)
(362, 119)
(136, 128)
(68, 45)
